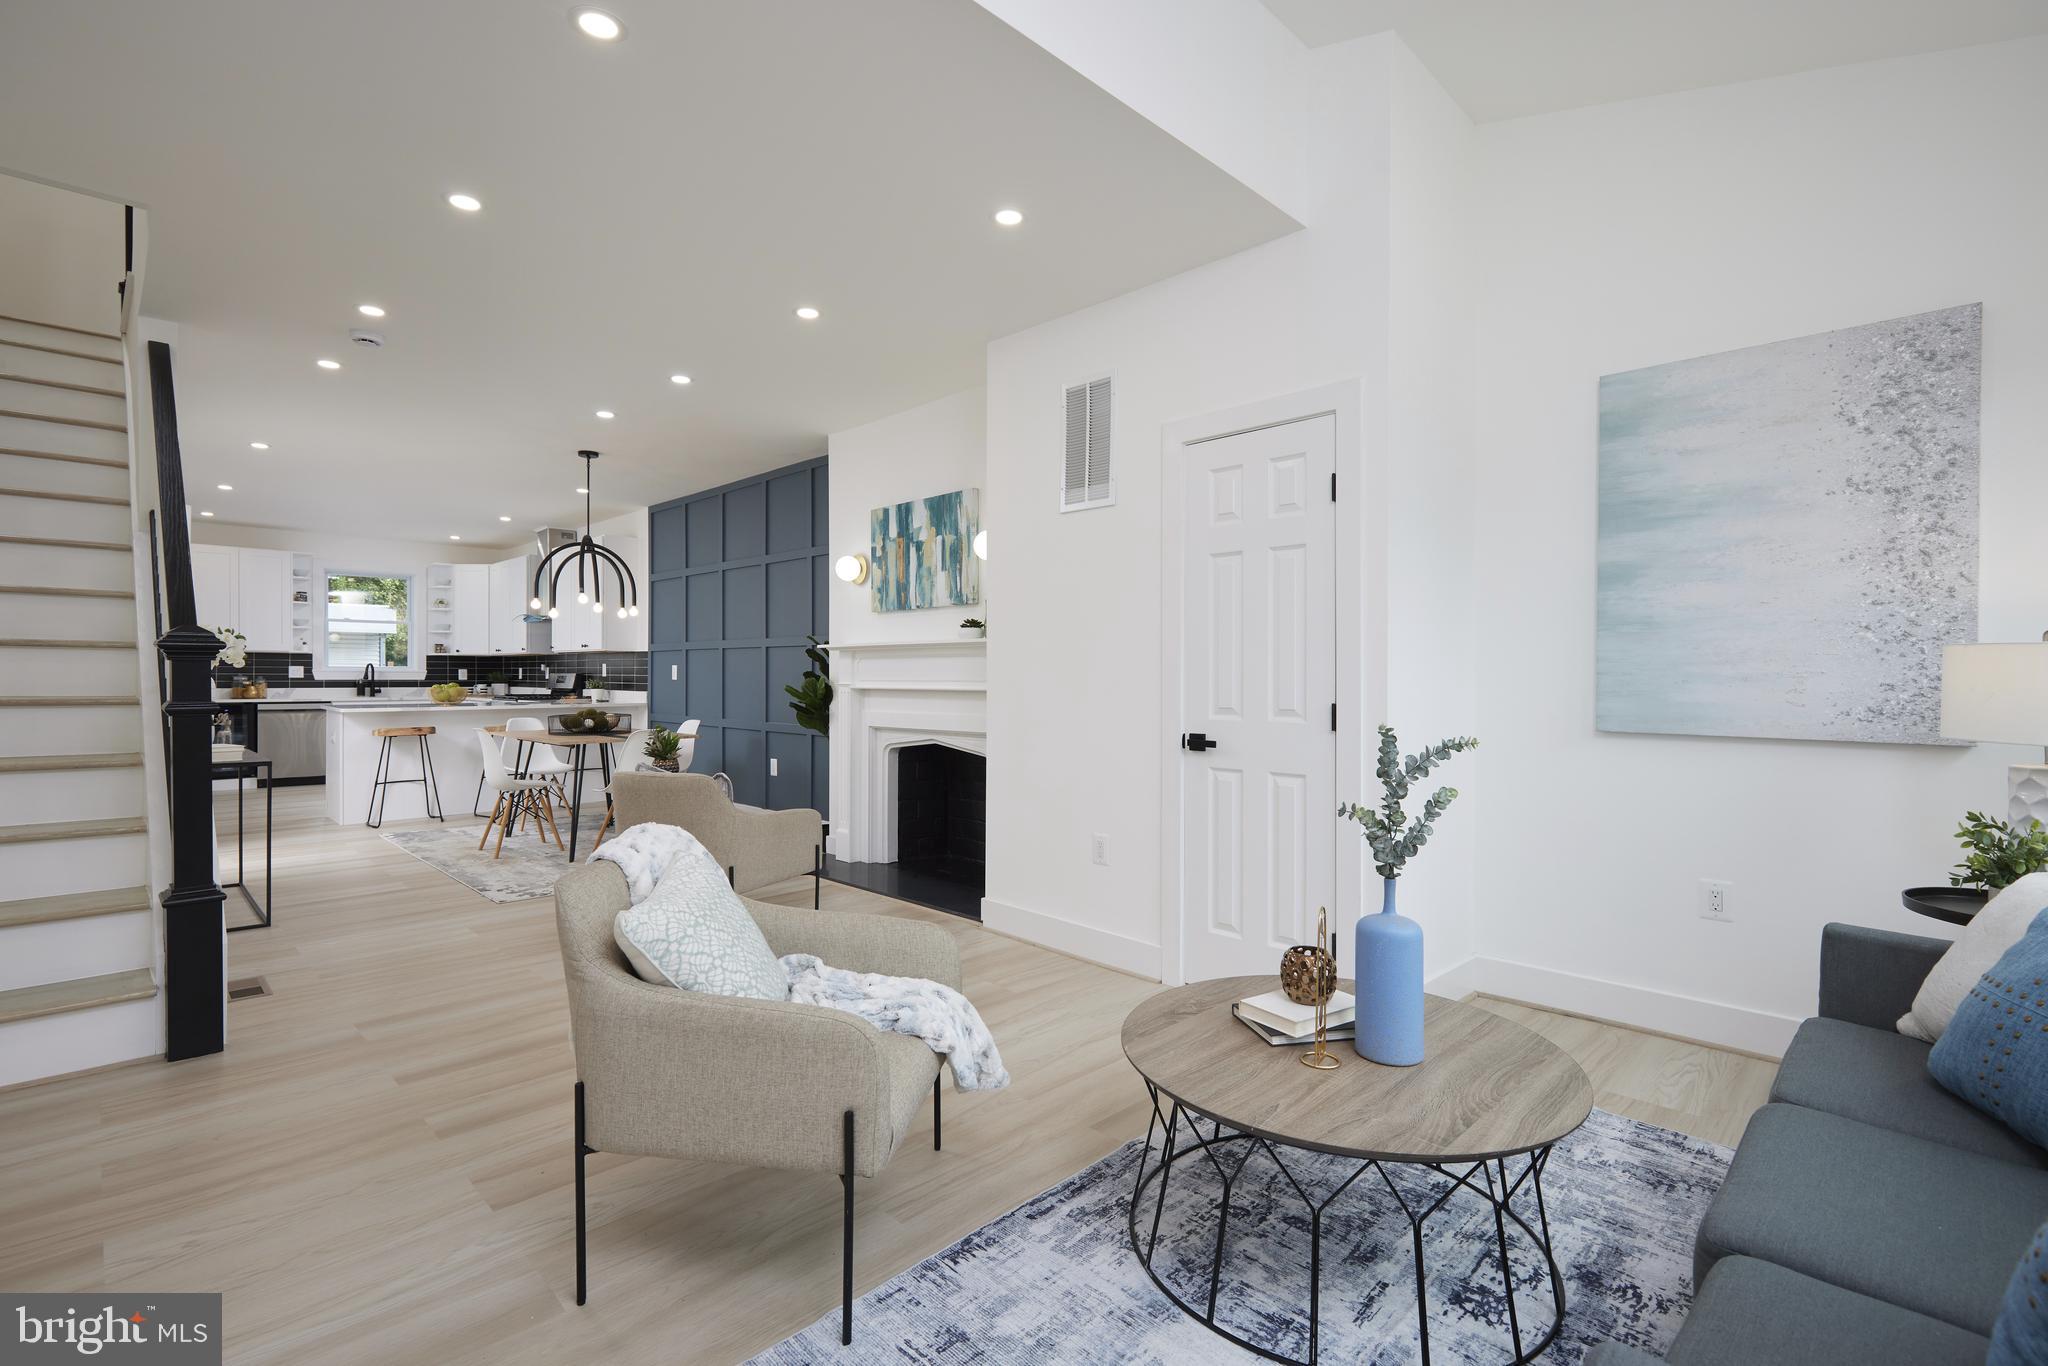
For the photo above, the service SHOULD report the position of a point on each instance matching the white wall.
(1077, 729)
(627, 534)
(64, 253)
(1631, 234)
(353, 552)
(936, 448)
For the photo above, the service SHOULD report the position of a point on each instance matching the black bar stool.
(430, 794)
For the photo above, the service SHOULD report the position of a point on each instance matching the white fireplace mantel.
(887, 695)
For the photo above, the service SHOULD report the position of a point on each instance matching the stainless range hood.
(540, 635)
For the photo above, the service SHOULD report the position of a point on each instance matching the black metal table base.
(1487, 1179)
(239, 769)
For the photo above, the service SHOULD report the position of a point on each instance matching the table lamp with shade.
(1999, 693)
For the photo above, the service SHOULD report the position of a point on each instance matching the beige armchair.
(757, 848)
(668, 1073)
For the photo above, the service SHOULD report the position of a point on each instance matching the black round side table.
(1955, 905)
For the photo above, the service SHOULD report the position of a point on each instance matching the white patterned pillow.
(693, 932)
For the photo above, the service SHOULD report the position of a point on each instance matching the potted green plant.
(811, 699)
(975, 626)
(663, 746)
(1997, 854)
(1387, 952)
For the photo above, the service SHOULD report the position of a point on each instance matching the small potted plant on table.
(663, 746)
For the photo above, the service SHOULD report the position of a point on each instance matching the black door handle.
(1194, 739)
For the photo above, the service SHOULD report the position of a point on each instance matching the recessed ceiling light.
(678, 379)
(504, 519)
(370, 310)
(454, 538)
(807, 313)
(605, 414)
(468, 203)
(225, 488)
(259, 445)
(599, 25)
(326, 364)
(206, 514)
(1009, 218)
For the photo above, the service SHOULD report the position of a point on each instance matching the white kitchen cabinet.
(470, 587)
(213, 585)
(507, 595)
(263, 595)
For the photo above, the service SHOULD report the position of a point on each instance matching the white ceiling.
(657, 205)
(1502, 59)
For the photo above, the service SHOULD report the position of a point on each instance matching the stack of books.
(1278, 1020)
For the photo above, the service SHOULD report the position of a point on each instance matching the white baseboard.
(1456, 982)
(1688, 1017)
(1082, 941)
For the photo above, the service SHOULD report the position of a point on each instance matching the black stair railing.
(195, 971)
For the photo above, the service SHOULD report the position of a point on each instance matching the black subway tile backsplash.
(602, 668)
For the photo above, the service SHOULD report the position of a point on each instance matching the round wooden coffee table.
(1488, 1091)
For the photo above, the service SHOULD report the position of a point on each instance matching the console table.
(1481, 1111)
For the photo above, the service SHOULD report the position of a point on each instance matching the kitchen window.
(369, 621)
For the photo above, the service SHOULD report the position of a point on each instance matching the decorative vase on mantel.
(1387, 958)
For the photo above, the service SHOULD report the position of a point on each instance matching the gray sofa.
(1870, 1218)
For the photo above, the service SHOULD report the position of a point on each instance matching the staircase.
(78, 935)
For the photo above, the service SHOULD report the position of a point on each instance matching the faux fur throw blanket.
(644, 853)
(946, 1021)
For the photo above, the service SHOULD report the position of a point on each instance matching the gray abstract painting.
(1788, 534)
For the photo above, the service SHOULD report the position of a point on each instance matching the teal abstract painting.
(921, 554)
(1788, 534)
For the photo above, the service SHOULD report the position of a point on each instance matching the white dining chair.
(516, 797)
(542, 761)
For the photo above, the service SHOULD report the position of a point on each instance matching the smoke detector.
(362, 336)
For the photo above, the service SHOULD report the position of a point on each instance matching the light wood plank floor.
(378, 1169)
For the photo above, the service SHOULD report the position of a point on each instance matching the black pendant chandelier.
(590, 560)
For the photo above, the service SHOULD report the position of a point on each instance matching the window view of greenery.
(367, 620)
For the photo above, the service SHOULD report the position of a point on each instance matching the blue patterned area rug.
(1055, 1280)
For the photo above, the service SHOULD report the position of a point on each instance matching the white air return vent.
(1085, 480)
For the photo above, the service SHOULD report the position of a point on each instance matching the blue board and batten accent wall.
(737, 579)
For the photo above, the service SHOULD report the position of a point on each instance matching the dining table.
(579, 746)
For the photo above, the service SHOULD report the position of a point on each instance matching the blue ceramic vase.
(1388, 958)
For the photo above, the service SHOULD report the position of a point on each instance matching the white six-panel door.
(1259, 682)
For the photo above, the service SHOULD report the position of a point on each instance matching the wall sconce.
(851, 568)
(981, 544)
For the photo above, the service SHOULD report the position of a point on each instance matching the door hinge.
(1333, 716)
(1333, 486)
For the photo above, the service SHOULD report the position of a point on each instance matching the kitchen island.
(352, 751)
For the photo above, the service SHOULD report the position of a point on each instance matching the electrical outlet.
(301, 671)
(672, 673)
(1714, 897)
(462, 675)
(774, 768)
(1098, 849)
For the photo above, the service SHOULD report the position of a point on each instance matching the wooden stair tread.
(40, 910)
(36, 643)
(66, 763)
(60, 543)
(111, 500)
(61, 384)
(60, 351)
(39, 591)
(66, 421)
(60, 327)
(105, 460)
(40, 832)
(80, 993)
(80, 700)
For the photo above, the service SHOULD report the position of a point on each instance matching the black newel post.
(195, 932)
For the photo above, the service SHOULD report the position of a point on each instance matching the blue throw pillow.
(1995, 1052)
(2021, 1335)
